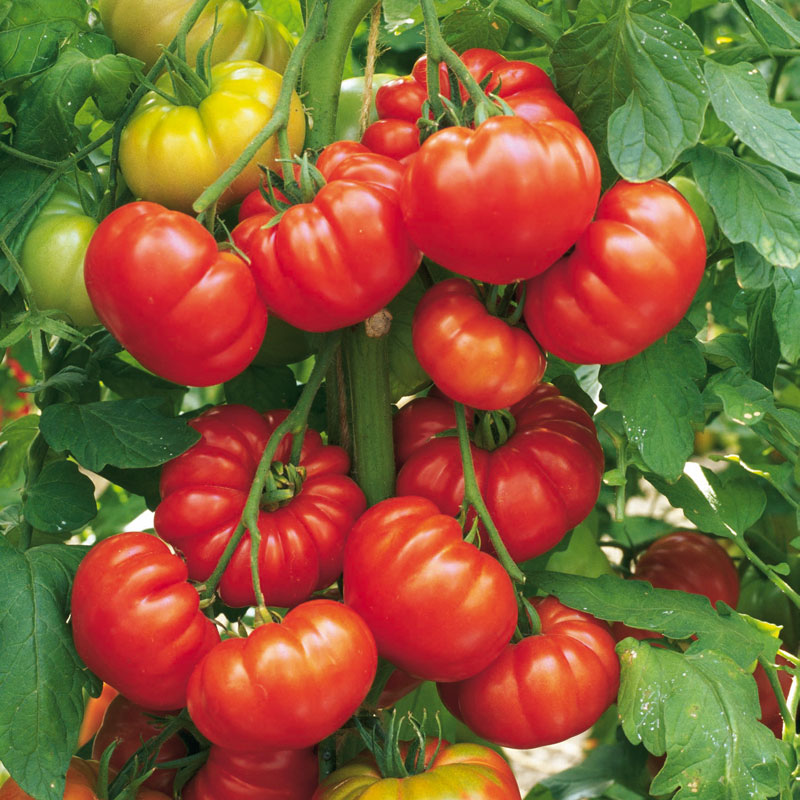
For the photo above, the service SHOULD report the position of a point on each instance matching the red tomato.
(689, 562)
(629, 280)
(364, 167)
(255, 203)
(332, 262)
(204, 491)
(423, 591)
(770, 711)
(94, 713)
(397, 687)
(395, 138)
(459, 772)
(471, 355)
(332, 155)
(544, 688)
(136, 620)
(418, 421)
(286, 685)
(265, 775)
(504, 201)
(401, 98)
(132, 726)
(543, 481)
(185, 310)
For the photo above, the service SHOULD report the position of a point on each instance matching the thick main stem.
(366, 366)
(324, 65)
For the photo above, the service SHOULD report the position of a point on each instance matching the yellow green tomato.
(688, 188)
(170, 153)
(349, 110)
(139, 28)
(52, 253)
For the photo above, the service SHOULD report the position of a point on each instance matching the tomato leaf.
(753, 203)
(701, 709)
(61, 499)
(263, 388)
(786, 312)
(740, 98)
(677, 615)
(778, 27)
(400, 15)
(474, 26)
(728, 350)
(659, 400)
(636, 86)
(41, 676)
(122, 433)
(753, 271)
(46, 112)
(726, 505)
(764, 344)
(129, 382)
(15, 438)
(744, 400)
(32, 30)
(116, 509)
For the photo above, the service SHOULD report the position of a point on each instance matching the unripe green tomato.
(582, 555)
(52, 254)
(349, 109)
(283, 344)
(688, 188)
(140, 27)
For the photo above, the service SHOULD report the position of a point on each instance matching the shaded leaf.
(61, 499)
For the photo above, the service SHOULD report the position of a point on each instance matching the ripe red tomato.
(395, 138)
(544, 688)
(418, 421)
(204, 491)
(423, 590)
(458, 771)
(504, 201)
(629, 280)
(770, 711)
(94, 712)
(352, 161)
(332, 262)
(132, 726)
(472, 356)
(689, 562)
(265, 775)
(136, 620)
(543, 481)
(187, 311)
(286, 685)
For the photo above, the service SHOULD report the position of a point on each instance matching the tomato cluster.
(506, 204)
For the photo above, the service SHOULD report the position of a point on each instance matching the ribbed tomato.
(204, 491)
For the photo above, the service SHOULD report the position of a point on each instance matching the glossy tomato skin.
(197, 319)
(332, 262)
(81, 784)
(504, 201)
(543, 481)
(140, 27)
(265, 775)
(170, 153)
(286, 685)
(94, 712)
(53, 251)
(148, 633)
(629, 280)
(459, 771)
(418, 422)
(422, 590)
(131, 726)
(396, 138)
(472, 356)
(341, 161)
(204, 491)
(545, 688)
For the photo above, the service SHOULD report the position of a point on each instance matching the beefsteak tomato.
(473, 356)
(204, 491)
(629, 280)
(286, 685)
(422, 590)
(185, 310)
(540, 483)
(501, 202)
(545, 688)
(147, 633)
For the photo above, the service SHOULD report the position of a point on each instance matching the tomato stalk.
(280, 117)
(324, 65)
(472, 496)
(366, 370)
(772, 675)
(523, 14)
(294, 424)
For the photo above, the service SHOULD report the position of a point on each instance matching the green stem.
(620, 445)
(280, 116)
(324, 65)
(531, 19)
(772, 675)
(754, 31)
(472, 496)
(366, 366)
(770, 573)
(293, 424)
(780, 64)
(23, 156)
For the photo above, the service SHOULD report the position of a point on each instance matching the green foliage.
(61, 499)
(472, 25)
(41, 677)
(15, 438)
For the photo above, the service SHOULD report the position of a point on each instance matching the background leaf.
(41, 677)
(786, 312)
(15, 439)
(61, 499)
